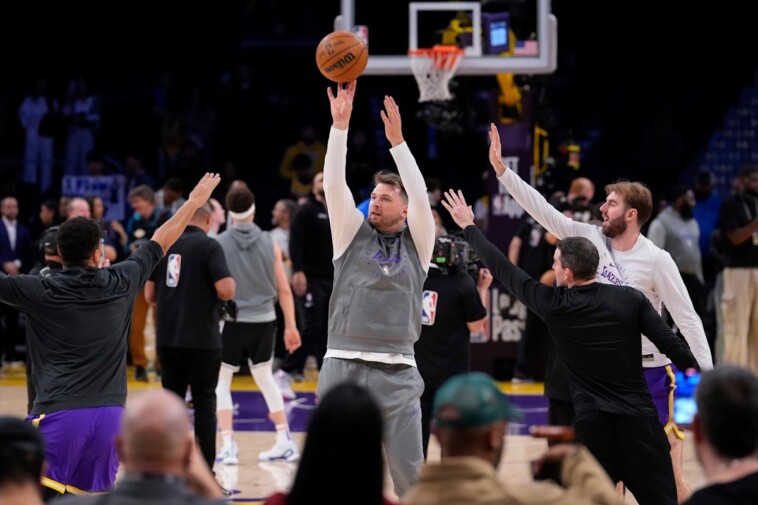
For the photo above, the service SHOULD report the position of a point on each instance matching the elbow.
(226, 289)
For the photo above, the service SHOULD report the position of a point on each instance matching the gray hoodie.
(249, 252)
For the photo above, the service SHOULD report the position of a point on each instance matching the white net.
(433, 69)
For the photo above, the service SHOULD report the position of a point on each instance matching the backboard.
(534, 52)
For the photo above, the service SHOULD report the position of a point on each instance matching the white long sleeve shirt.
(645, 267)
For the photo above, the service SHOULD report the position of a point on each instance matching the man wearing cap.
(596, 330)
(471, 417)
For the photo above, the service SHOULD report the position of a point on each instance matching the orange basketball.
(341, 56)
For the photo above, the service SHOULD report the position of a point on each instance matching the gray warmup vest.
(376, 302)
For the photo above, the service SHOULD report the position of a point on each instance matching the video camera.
(453, 253)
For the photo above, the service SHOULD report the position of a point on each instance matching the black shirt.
(736, 212)
(78, 329)
(742, 491)
(311, 240)
(450, 301)
(187, 303)
(596, 329)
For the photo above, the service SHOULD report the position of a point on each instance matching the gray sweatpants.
(397, 389)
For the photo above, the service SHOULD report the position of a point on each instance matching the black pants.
(532, 348)
(315, 309)
(427, 401)
(198, 369)
(634, 450)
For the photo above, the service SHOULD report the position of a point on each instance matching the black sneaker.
(140, 374)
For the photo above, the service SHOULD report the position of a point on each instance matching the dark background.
(647, 82)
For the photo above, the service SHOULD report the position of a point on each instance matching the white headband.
(243, 215)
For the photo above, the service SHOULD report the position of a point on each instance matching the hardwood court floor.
(252, 480)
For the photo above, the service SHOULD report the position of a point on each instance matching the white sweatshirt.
(645, 267)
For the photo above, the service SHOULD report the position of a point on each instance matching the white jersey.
(645, 267)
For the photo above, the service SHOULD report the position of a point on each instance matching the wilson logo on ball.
(348, 58)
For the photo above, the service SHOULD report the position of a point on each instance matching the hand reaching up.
(462, 214)
(202, 192)
(342, 105)
(496, 151)
(393, 126)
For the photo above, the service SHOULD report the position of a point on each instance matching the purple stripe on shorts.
(80, 446)
(659, 383)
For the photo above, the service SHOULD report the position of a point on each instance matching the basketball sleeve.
(669, 284)
(420, 218)
(545, 214)
(344, 217)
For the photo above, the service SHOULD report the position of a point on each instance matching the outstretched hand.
(204, 188)
(393, 126)
(342, 104)
(496, 151)
(462, 214)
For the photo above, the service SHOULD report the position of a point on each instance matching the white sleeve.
(545, 214)
(656, 233)
(669, 284)
(344, 218)
(420, 218)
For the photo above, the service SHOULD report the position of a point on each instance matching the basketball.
(341, 56)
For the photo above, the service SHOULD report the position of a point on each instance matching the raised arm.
(344, 218)
(420, 219)
(669, 284)
(534, 295)
(530, 199)
(170, 231)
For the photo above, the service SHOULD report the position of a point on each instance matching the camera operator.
(454, 306)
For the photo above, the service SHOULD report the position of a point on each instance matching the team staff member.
(454, 308)
(78, 334)
(380, 265)
(186, 287)
(627, 258)
(596, 328)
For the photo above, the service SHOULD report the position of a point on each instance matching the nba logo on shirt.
(173, 269)
(428, 308)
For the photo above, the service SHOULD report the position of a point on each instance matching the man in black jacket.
(596, 329)
(312, 274)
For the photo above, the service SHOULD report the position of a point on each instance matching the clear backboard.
(506, 36)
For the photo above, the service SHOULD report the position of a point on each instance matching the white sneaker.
(228, 455)
(284, 381)
(286, 451)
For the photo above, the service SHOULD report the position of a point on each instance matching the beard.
(613, 228)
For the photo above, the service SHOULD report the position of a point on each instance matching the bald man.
(158, 458)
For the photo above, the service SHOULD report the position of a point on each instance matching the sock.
(283, 433)
(227, 437)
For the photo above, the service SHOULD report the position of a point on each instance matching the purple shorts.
(661, 382)
(80, 447)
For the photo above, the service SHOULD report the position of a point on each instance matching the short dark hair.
(392, 179)
(240, 199)
(580, 255)
(22, 452)
(290, 205)
(727, 404)
(77, 240)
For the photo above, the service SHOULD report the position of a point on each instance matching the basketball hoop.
(433, 68)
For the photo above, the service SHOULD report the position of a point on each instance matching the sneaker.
(284, 381)
(286, 451)
(228, 455)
